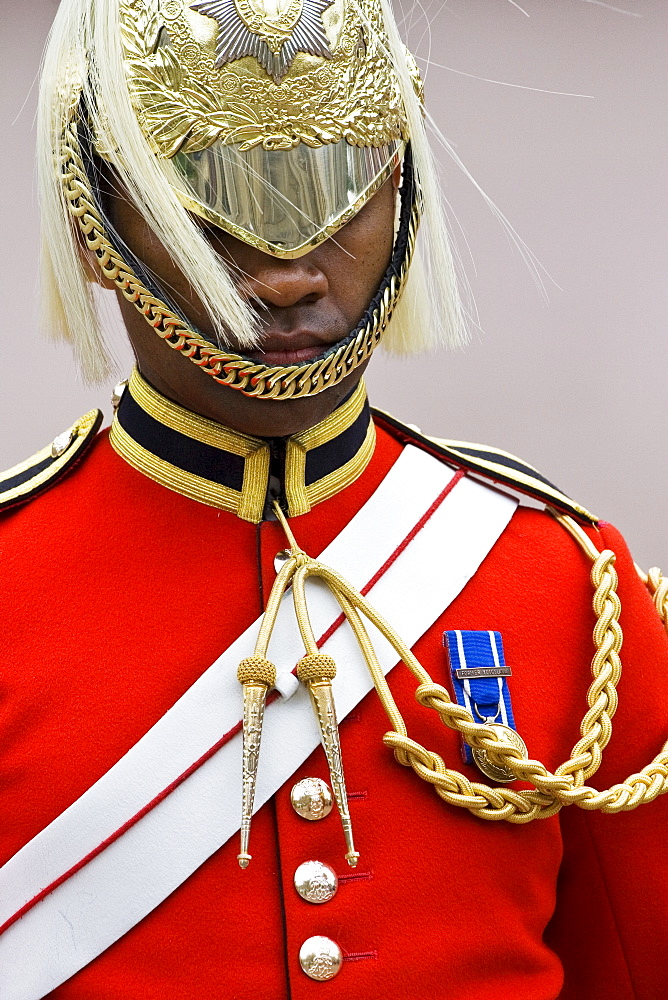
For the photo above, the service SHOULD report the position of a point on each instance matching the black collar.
(223, 468)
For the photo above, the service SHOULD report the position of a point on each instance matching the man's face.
(305, 305)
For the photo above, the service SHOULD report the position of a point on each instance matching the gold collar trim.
(223, 468)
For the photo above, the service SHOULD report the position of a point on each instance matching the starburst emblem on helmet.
(271, 31)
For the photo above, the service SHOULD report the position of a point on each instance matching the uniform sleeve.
(609, 927)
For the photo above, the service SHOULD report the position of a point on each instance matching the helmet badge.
(271, 31)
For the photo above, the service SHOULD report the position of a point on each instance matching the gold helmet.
(279, 116)
(276, 120)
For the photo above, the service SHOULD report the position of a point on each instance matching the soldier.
(193, 601)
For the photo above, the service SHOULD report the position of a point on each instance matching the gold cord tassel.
(317, 671)
(258, 675)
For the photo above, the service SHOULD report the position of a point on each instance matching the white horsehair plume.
(86, 37)
(430, 313)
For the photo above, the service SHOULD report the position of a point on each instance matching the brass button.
(320, 958)
(316, 882)
(311, 798)
(61, 443)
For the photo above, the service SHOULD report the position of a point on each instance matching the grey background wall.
(577, 386)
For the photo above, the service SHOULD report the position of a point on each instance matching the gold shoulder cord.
(550, 791)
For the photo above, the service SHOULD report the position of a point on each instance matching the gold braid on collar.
(215, 465)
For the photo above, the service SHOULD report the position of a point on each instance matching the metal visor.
(283, 201)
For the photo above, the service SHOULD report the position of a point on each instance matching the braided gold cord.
(551, 790)
(223, 366)
(657, 584)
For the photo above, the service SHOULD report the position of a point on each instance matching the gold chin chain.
(233, 370)
(498, 746)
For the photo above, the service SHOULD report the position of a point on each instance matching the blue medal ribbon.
(479, 675)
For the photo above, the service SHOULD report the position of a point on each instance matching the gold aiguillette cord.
(316, 670)
(548, 791)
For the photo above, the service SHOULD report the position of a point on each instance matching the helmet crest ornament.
(271, 31)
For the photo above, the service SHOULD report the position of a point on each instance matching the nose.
(284, 283)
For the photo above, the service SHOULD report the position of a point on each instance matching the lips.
(289, 349)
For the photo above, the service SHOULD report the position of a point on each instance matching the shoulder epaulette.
(490, 463)
(42, 470)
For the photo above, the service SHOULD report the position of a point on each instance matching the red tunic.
(117, 593)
